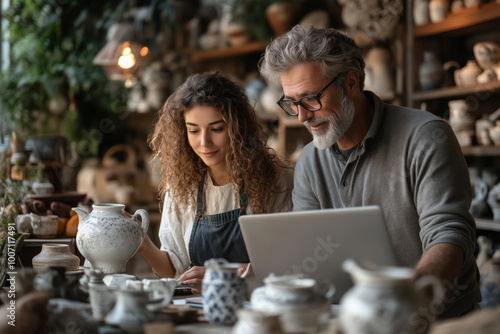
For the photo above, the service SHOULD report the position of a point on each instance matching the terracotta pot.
(55, 255)
(279, 16)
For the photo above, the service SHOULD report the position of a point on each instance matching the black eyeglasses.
(311, 103)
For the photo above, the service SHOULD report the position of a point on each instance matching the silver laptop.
(316, 243)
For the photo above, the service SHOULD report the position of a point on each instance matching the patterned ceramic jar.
(223, 291)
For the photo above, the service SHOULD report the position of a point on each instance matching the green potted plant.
(51, 83)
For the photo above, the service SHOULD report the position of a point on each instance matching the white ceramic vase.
(107, 238)
(461, 115)
(421, 12)
(55, 255)
(438, 10)
(379, 72)
(384, 300)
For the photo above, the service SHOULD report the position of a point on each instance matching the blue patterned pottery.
(223, 291)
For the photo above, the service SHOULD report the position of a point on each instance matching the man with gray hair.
(365, 152)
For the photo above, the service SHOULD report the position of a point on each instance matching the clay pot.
(487, 54)
(279, 16)
(438, 10)
(472, 3)
(421, 12)
(468, 74)
(379, 73)
(55, 255)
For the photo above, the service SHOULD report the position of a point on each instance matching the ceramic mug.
(23, 224)
(162, 288)
(117, 280)
(44, 226)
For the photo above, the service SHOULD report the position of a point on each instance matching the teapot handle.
(145, 221)
(167, 293)
(430, 281)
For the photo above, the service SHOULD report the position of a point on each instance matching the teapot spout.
(82, 214)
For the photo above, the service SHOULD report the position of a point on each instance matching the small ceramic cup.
(162, 288)
(117, 280)
(44, 226)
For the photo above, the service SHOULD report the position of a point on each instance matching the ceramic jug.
(467, 75)
(132, 310)
(379, 71)
(223, 291)
(302, 303)
(438, 10)
(421, 12)
(431, 72)
(384, 300)
(107, 238)
(487, 54)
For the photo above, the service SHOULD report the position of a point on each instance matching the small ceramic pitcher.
(385, 301)
(223, 291)
(132, 311)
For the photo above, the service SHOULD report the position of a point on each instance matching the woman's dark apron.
(219, 235)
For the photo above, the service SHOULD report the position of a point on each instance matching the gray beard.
(338, 123)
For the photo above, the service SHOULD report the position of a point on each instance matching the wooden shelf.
(468, 20)
(488, 224)
(481, 151)
(456, 92)
(199, 56)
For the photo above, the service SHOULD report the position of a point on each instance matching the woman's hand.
(193, 276)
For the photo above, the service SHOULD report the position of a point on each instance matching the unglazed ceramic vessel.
(487, 54)
(55, 255)
(302, 303)
(467, 75)
(384, 300)
(438, 10)
(431, 72)
(107, 238)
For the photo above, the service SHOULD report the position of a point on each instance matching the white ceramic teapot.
(107, 238)
(302, 303)
(385, 301)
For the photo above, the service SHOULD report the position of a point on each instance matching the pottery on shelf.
(494, 201)
(384, 300)
(483, 126)
(487, 54)
(438, 10)
(494, 132)
(379, 71)
(107, 238)
(279, 16)
(488, 75)
(431, 72)
(456, 5)
(421, 12)
(302, 303)
(467, 75)
(55, 255)
(44, 227)
(472, 3)
(462, 117)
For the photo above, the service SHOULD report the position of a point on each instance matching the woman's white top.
(176, 226)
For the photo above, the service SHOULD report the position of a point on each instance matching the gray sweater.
(411, 165)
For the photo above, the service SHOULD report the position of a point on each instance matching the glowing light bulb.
(144, 51)
(127, 59)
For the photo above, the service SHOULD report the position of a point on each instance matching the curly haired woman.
(215, 166)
